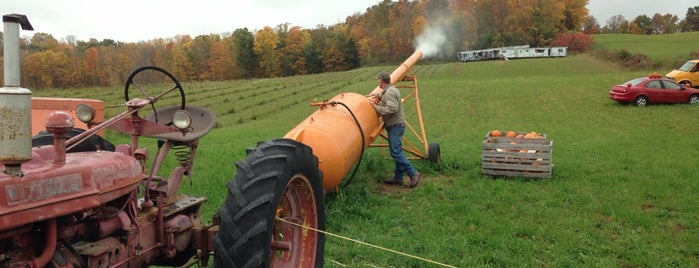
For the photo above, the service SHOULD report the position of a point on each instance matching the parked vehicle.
(687, 74)
(653, 89)
(70, 198)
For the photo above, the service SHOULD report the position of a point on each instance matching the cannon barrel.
(334, 134)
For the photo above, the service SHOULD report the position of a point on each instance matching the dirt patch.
(399, 190)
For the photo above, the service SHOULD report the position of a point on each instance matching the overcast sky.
(143, 20)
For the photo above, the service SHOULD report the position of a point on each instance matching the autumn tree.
(128, 57)
(105, 73)
(591, 26)
(614, 24)
(575, 14)
(663, 24)
(180, 66)
(42, 42)
(294, 59)
(400, 32)
(377, 25)
(462, 20)
(266, 42)
(221, 62)
(199, 53)
(643, 24)
(358, 30)
(89, 67)
(47, 69)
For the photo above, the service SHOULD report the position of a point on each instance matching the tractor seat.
(203, 120)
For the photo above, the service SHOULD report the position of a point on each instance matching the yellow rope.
(367, 244)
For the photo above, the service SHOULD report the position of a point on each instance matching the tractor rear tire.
(279, 179)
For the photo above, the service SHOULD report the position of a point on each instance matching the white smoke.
(431, 41)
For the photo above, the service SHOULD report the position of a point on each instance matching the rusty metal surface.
(46, 191)
(15, 122)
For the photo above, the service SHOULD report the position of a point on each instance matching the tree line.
(643, 24)
(383, 34)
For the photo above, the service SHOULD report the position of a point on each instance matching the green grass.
(623, 190)
(671, 49)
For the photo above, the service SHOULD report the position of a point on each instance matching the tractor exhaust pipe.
(15, 102)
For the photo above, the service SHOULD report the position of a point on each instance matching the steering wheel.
(141, 80)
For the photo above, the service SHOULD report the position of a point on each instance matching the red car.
(653, 89)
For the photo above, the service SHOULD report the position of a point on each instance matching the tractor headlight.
(181, 119)
(85, 113)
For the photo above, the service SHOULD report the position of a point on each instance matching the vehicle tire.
(279, 178)
(433, 152)
(694, 98)
(641, 101)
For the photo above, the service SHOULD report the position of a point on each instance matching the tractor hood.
(46, 190)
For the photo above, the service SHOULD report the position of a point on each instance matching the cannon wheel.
(278, 179)
(434, 154)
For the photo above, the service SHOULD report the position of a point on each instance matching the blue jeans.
(395, 144)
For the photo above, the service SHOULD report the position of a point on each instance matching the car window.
(654, 84)
(671, 85)
(685, 67)
(635, 82)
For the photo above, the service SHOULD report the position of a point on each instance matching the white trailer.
(512, 52)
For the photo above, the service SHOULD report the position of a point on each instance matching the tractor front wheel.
(274, 205)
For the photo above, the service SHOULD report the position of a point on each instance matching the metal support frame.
(410, 142)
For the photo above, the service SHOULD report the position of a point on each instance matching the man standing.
(390, 108)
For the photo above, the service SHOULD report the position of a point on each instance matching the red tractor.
(69, 198)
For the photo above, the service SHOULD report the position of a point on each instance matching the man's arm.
(391, 103)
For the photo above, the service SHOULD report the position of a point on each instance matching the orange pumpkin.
(511, 134)
(495, 133)
(533, 135)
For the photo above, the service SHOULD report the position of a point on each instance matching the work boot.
(393, 181)
(414, 180)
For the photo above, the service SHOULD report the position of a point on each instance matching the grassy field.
(623, 190)
(668, 49)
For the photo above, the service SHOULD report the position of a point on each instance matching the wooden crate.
(517, 157)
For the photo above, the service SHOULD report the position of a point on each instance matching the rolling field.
(622, 194)
(669, 49)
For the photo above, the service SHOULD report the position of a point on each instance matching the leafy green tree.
(691, 19)
(313, 63)
(643, 23)
(243, 43)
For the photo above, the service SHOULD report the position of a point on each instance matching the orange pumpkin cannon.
(342, 127)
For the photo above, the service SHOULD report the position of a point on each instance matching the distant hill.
(664, 47)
